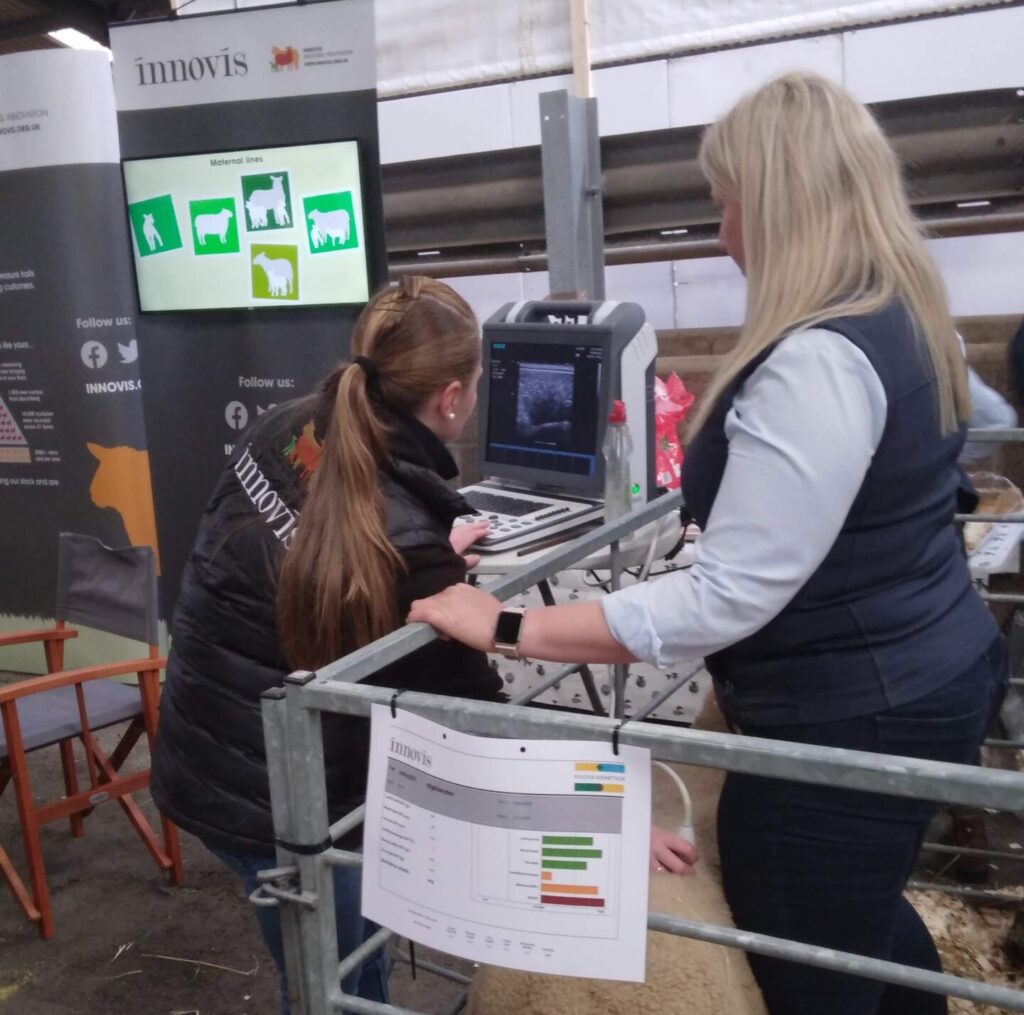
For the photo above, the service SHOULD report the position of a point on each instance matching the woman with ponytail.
(333, 515)
(829, 594)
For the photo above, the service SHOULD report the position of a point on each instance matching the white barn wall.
(703, 87)
(984, 274)
(447, 123)
(629, 100)
(961, 52)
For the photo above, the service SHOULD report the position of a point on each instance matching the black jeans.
(828, 866)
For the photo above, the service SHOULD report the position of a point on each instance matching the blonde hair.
(827, 227)
(337, 586)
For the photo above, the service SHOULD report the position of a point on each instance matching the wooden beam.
(580, 27)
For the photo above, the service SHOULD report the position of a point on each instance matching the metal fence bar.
(810, 955)
(982, 896)
(433, 967)
(841, 769)
(988, 517)
(826, 958)
(813, 955)
(840, 962)
(353, 819)
(991, 854)
(342, 857)
(375, 656)
(305, 759)
(349, 1002)
(275, 736)
(377, 940)
(1003, 436)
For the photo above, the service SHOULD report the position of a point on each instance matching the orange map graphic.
(122, 482)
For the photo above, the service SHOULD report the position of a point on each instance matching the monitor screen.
(262, 227)
(543, 408)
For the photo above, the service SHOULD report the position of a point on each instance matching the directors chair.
(112, 591)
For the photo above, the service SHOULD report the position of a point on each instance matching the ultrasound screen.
(543, 406)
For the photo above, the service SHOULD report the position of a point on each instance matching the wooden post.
(580, 28)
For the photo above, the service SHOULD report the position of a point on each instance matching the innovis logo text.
(222, 64)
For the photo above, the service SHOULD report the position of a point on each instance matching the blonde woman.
(334, 513)
(829, 594)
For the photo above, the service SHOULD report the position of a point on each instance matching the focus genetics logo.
(222, 64)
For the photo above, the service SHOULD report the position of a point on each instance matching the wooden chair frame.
(105, 779)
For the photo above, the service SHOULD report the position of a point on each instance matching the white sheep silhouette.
(257, 214)
(333, 226)
(279, 274)
(150, 231)
(262, 201)
(281, 216)
(213, 225)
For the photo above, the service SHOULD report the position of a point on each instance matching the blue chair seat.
(52, 716)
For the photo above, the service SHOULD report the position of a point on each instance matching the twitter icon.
(129, 353)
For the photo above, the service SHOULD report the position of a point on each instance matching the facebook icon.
(94, 355)
(236, 415)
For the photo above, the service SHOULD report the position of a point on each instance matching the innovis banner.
(252, 186)
(72, 440)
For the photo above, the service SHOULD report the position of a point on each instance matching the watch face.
(507, 630)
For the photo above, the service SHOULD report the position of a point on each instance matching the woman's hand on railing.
(463, 612)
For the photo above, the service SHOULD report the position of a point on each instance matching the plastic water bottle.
(618, 451)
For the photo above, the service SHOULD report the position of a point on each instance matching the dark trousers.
(828, 866)
(370, 980)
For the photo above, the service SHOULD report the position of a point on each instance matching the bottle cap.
(618, 413)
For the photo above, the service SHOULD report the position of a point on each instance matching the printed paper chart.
(529, 854)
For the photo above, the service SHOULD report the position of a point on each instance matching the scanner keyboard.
(497, 504)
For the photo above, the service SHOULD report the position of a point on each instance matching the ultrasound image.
(544, 403)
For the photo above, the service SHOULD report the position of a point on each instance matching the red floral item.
(671, 402)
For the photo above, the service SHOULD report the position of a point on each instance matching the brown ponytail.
(337, 585)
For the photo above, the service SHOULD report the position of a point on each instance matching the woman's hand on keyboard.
(464, 536)
(463, 612)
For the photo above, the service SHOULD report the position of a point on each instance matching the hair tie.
(370, 369)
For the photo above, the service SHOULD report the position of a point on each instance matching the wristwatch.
(508, 630)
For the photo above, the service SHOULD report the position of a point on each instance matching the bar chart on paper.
(544, 868)
(531, 869)
(531, 862)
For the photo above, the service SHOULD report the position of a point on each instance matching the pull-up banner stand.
(72, 441)
(254, 257)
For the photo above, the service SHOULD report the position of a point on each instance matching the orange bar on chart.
(572, 889)
(545, 875)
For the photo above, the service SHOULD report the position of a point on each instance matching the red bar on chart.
(571, 900)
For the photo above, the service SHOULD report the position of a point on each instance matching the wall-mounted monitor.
(259, 227)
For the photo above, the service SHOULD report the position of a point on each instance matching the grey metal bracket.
(573, 212)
